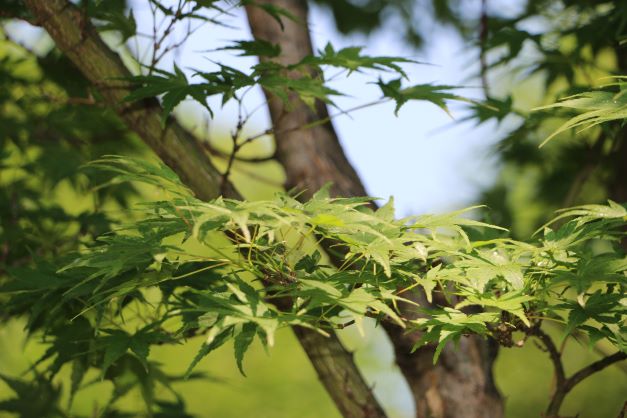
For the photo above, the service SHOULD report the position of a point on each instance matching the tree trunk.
(75, 36)
(311, 157)
(461, 384)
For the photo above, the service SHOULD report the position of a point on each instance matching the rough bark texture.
(340, 377)
(77, 38)
(311, 157)
(461, 384)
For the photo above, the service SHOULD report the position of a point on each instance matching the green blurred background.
(44, 141)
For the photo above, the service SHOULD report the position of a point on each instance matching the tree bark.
(461, 384)
(77, 38)
(339, 375)
(312, 156)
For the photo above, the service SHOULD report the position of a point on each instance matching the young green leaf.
(242, 341)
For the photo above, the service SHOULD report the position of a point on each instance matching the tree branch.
(226, 155)
(568, 384)
(78, 39)
(483, 37)
(597, 366)
(564, 385)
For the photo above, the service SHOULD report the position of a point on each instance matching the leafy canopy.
(231, 270)
(268, 274)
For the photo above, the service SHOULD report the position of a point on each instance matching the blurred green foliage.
(48, 130)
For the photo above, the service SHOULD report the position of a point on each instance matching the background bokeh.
(427, 160)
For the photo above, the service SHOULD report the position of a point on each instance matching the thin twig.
(315, 123)
(483, 37)
(236, 146)
(221, 154)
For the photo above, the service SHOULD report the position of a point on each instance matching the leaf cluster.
(261, 270)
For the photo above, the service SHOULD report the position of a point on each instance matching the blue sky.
(422, 157)
(427, 161)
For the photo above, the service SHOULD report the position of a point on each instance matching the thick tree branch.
(461, 384)
(81, 43)
(77, 38)
(340, 377)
